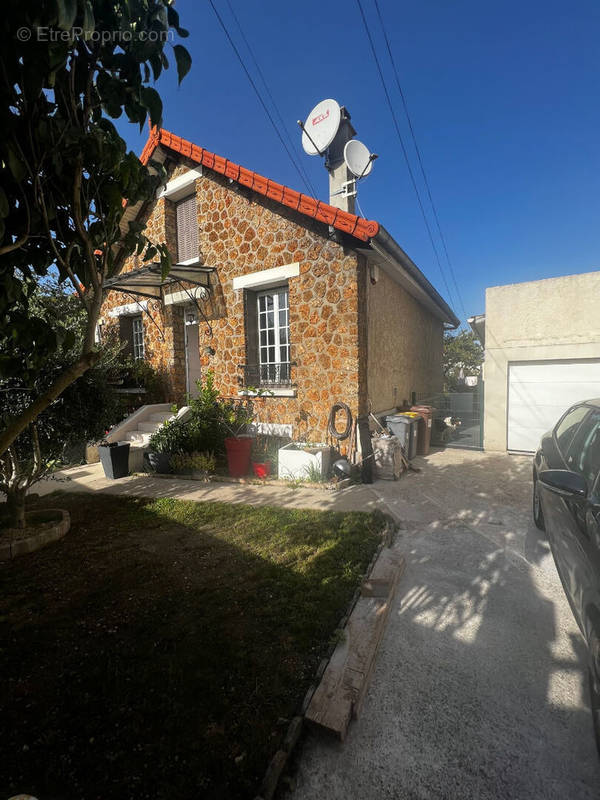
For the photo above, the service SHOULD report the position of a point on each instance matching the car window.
(567, 427)
(583, 455)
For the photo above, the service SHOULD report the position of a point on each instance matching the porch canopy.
(149, 282)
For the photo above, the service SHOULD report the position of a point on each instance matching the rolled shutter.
(187, 229)
(251, 327)
(126, 334)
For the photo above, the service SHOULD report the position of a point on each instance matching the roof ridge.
(356, 226)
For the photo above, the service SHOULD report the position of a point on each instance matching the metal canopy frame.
(149, 282)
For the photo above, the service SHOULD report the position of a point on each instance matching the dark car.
(566, 503)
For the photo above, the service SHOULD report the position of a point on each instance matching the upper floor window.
(187, 228)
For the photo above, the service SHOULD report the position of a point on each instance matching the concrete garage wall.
(552, 319)
(404, 345)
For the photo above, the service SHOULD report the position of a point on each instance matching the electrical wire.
(271, 98)
(405, 154)
(258, 94)
(419, 158)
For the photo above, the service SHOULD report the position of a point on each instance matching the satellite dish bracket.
(348, 189)
(310, 139)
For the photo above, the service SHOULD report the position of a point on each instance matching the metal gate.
(457, 419)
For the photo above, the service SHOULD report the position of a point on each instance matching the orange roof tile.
(358, 227)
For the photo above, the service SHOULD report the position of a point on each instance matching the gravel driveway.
(479, 690)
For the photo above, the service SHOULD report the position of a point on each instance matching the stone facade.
(330, 300)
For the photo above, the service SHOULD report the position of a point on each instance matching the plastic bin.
(424, 438)
(405, 428)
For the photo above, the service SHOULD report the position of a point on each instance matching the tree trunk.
(15, 505)
(16, 425)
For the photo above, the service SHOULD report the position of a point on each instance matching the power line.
(271, 98)
(410, 171)
(419, 158)
(258, 94)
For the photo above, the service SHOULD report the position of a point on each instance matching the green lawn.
(157, 650)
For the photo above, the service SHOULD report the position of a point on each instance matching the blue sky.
(504, 99)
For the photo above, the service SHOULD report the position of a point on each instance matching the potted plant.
(238, 415)
(165, 442)
(261, 462)
(114, 457)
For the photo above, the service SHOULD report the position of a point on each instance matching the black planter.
(115, 459)
(158, 462)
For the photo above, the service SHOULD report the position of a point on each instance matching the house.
(274, 289)
(542, 354)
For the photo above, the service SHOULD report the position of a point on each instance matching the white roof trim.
(182, 185)
(128, 310)
(181, 298)
(265, 278)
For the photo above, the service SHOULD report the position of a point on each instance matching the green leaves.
(67, 11)
(64, 169)
(89, 23)
(184, 61)
(15, 164)
(151, 99)
(173, 20)
(4, 206)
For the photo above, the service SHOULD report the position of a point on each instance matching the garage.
(539, 393)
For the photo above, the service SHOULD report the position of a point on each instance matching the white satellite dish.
(358, 158)
(321, 126)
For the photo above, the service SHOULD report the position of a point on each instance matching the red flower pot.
(261, 470)
(238, 455)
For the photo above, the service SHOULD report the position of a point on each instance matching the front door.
(192, 351)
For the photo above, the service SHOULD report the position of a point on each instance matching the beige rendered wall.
(404, 345)
(552, 319)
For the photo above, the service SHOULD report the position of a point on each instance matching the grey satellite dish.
(321, 126)
(358, 158)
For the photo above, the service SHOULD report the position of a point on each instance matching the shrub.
(214, 418)
(172, 437)
(193, 462)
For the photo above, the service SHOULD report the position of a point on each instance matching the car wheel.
(538, 514)
(595, 704)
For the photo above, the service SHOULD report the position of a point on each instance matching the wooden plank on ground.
(344, 684)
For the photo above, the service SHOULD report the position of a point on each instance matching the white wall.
(552, 319)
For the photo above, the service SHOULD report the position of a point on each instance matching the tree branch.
(17, 424)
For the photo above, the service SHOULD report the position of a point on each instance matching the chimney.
(339, 174)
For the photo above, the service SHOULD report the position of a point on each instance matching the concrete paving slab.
(479, 688)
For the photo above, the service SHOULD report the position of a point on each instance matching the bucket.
(261, 469)
(238, 455)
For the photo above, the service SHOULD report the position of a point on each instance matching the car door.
(584, 457)
(572, 524)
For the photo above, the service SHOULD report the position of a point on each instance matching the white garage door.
(539, 394)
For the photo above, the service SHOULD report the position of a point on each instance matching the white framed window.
(274, 336)
(137, 336)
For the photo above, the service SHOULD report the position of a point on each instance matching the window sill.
(273, 392)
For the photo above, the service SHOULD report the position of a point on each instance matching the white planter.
(299, 464)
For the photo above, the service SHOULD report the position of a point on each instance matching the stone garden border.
(50, 532)
(249, 481)
(282, 757)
